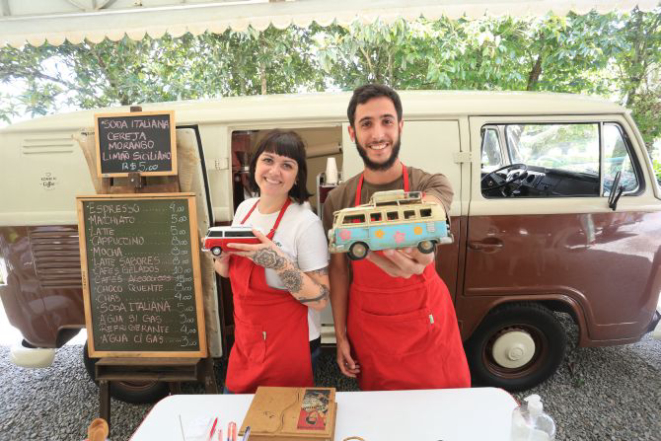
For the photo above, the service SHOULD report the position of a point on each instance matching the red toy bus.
(217, 238)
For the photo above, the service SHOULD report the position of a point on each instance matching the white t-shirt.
(300, 235)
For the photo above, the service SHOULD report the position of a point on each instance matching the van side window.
(376, 217)
(547, 160)
(409, 214)
(425, 212)
(215, 234)
(393, 215)
(354, 219)
(571, 147)
(617, 157)
(239, 234)
(491, 157)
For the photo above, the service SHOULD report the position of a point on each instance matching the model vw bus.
(217, 238)
(391, 219)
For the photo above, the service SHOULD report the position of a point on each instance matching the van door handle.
(490, 244)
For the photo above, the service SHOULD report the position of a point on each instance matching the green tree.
(550, 53)
(153, 70)
(637, 67)
(22, 69)
(396, 54)
(568, 54)
(272, 61)
(615, 55)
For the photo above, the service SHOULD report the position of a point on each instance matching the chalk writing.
(139, 265)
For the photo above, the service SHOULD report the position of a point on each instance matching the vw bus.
(391, 219)
(556, 211)
(218, 238)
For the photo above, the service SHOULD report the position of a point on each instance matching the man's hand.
(404, 262)
(344, 360)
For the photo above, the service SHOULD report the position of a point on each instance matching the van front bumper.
(31, 357)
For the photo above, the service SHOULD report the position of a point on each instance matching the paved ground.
(611, 393)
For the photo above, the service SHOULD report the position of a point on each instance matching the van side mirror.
(616, 191)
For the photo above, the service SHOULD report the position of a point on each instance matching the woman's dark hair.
(365, 93)
(287, 144)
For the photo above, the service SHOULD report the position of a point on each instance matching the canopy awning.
(54, 21)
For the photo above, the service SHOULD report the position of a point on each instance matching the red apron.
(271, 346)
(404, 332)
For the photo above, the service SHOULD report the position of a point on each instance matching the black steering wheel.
(515, 175)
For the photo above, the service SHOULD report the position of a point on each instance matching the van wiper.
(616, 191)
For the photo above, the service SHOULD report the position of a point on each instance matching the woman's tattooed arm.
(324, 295)
(269, 258)
(310, 288)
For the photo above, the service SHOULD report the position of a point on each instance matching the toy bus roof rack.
(395, 197)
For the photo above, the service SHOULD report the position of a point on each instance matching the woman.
(275, 282)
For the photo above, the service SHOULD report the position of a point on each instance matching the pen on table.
(231, 431)
(246, 435)
(181, 426)
(213, 428)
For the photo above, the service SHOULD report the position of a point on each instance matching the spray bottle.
(530, 423)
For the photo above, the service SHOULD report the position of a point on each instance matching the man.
(394, 319)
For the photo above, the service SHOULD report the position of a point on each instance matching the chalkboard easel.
(135, 142)
(141, 275)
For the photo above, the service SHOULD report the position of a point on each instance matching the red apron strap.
(250, 212)
(359, 189)
(282, 213)
(277, 221)
(406, 178)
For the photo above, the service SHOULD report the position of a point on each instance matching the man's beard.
(378, 166)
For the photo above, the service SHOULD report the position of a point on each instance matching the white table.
(420, 415)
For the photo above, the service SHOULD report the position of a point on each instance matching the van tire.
(136, 392)
(358, 251)
(216, 251)
(427, 246)
(530, 322)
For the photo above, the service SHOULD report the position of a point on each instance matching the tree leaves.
(616, 55)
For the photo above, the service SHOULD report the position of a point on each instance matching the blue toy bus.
(392, 219)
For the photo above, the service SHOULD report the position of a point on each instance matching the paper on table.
(197, 429)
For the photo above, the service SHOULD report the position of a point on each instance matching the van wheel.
(516, 347)
(426, 246)
(216, 251)
(358, 251)
(136, 392)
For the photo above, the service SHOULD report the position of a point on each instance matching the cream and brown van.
(556, 210)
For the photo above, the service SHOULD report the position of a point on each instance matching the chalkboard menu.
(143, 142)
(141, 275)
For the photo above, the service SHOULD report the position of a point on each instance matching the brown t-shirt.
(344, 195)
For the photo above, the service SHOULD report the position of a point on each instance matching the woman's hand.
(265, 254)
(221, 263)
